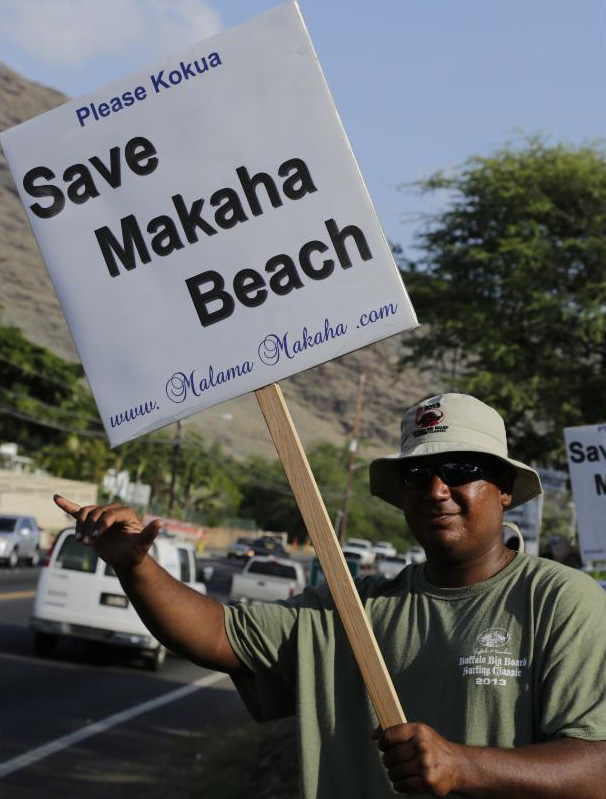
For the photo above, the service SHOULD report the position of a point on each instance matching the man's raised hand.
(114, 532)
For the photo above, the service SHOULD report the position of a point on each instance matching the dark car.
(266, 545)
(240, 548)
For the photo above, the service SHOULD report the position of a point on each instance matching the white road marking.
(34, 755)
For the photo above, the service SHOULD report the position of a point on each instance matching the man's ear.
(506, 498)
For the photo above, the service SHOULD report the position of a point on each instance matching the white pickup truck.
(265, 579)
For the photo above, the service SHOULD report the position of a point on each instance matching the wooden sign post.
(355, 621)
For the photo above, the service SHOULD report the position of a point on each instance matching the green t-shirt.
(514, 660)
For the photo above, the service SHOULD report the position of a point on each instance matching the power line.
(27, 370)
(55, 408)
(26, 417)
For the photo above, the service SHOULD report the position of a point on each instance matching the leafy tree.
(206, 479)
(266, 498)
(41, 394)
(78, 458)
(206, 483)
(512, 286)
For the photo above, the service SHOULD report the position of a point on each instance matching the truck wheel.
(34, 559)
(154, 661)
(13, 559)
(45, 644)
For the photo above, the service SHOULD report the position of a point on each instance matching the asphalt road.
(46, 700)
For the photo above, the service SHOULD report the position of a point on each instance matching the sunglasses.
(452, 473)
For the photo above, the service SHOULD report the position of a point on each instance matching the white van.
(79, 596)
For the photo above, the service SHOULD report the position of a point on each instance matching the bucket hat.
(450, 423)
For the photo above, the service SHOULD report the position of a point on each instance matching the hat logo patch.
(428, 419)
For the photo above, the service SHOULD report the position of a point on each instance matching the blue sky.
(421, 85)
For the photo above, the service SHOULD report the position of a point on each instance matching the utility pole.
(353, 446)
(173, 476)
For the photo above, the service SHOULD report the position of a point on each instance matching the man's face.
(461, 522)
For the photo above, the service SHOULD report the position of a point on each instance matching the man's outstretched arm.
(418, 759)
(185, 621)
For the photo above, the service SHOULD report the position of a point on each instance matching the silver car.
(19, 540)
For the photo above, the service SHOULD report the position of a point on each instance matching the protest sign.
(586, 452)
(208, 233)
(206, 227)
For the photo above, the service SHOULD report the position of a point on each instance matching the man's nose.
(437, 488)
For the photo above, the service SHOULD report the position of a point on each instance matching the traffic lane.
(47, 694)
(124, 761)
(16, 637)
(23, 578)
(45, 698)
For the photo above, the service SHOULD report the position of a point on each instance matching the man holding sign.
(498, 657)
(217, 190)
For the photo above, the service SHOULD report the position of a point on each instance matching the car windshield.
(273, 569)
(74, 556)
(356, 545)
(245, 541)
(7, 524)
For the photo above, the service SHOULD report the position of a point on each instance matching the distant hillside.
(27, 296)
(321, 401)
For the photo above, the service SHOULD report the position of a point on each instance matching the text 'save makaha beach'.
(206, 227)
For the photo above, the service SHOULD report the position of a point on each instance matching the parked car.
(79, 596)
(392, 566)
(361, 546)
(19, 540)
(241, 548)
(384, 549)
(265, 579)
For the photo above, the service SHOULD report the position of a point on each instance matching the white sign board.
(586, 452)
(206, 227)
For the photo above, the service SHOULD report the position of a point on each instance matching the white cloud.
(67, 33)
